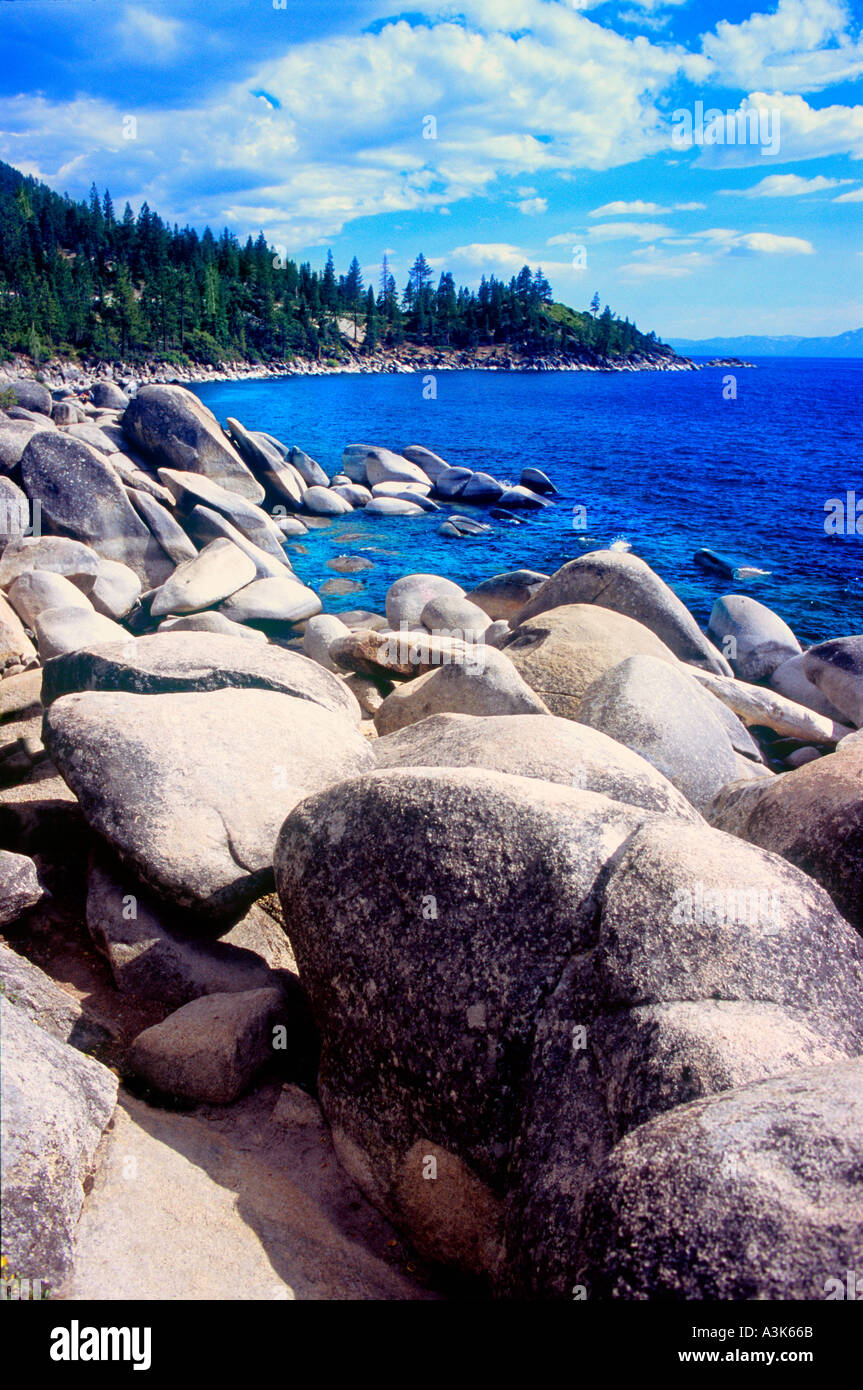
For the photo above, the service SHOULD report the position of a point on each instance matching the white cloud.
(785, 186)
(638, 231)
(531, 207)
(855, 196)
(805, 45)
(638, 207)
(801, 131)
(346, 140)
(148, 37)
(709, 247)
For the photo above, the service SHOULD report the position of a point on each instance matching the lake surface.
(659, 459)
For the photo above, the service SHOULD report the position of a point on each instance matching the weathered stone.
(108, 394)
(199, 830)
(47, 1005)
(711, 968)
(36, 590)
(16, 649)
(400, 653)
(383, 466)
(32, 395)
(174, 428)
(790, 680)
(756, 638)
(151, 957)
(451, 482)
(421, 1061)
(553, 750)
(207, 525)
(482, 487)
(522, 497)
(267, 463)
(562, 651)
(15, 518)
(275, 600)
(167, 530)
(56, 554)
(354, 493)
(166, 662)
(625, 584)
(81, 496)
(318, 636)
(211, 1049)
(812, 816)
(116, 591)
(20, 888)
(216, 572)
(485, 682)
(55, 1105)
(395, 506)
(837, 669)
(212, 622)
(537, 481)
(323, 501)
(778, 1213)
(63, 630)
(431, 464)
(505, 595)
(308, 468)
(755, 705)
(657, 710)
(192, 489)
(407, 597)
(21, 694)
(446, 613)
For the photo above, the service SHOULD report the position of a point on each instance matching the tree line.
(77, 278)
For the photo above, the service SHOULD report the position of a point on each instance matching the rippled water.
(658, 459)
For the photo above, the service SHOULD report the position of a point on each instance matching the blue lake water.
(660, 459)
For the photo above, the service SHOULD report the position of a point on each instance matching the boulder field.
(526, 911)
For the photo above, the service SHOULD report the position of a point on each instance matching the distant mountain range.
(843, 345)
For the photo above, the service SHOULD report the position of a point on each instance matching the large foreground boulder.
(190, 789)
(624, 583)
(168, 662)
(55, 1106)
(552, 749)
(476, 1074)
(779, 1211)
(812, 816)
(172, 426)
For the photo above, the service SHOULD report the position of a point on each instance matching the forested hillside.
(76, 278)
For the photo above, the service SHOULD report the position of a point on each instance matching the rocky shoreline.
(533, 909)
(59, 372)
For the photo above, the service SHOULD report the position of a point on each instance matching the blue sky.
(485, 133)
